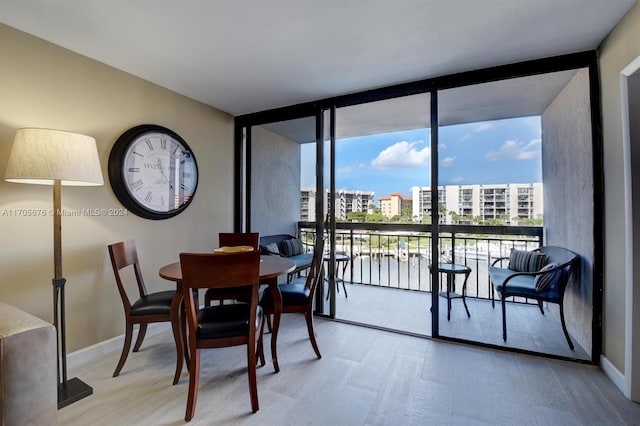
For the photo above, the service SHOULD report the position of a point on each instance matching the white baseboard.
(92, 352)
(613, 374)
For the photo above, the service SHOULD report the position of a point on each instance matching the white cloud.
(483, 127)
(447, 161)
(402, 155)
(458, 179)
(516, 150)
(479, 128)
(346, 169)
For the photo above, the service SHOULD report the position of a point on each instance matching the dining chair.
(148, 308)
(222, 325)
(297, 296)
(231, 239)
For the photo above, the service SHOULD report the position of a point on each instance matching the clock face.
(153, 172)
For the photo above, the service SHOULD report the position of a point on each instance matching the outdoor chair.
(541, 275)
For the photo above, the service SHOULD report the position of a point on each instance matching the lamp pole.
(69, 391)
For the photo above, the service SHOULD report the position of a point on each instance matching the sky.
(491, 152)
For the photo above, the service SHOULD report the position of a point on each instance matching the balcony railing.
(399, 255)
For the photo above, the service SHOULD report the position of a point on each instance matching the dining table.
(271, 267)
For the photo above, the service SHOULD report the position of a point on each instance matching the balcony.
(389, 284)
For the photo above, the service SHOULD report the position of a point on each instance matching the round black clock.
(153, 172)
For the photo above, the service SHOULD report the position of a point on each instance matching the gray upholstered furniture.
(541, 275)
(281, 244)
(28, 377)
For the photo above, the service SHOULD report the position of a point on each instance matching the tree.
(442, 211)
(407, 215)
(374, 217)
(455, 217)
(527, 221)
(356, 216)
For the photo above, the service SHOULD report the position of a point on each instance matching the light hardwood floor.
(366, 377)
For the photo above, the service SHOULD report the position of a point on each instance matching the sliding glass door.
(419, 188)
(382, 243)
(515, 173)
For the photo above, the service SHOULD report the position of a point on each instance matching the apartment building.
(346, 201)
(394, 204)
(490, 202)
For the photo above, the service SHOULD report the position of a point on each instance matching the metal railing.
(399, 255)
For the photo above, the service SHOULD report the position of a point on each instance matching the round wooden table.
(271, 267)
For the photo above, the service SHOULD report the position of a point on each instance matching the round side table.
(342, 260)
(450, 270)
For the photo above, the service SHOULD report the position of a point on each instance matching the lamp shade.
(42, 156)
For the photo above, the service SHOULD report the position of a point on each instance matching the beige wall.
(567, 173)
(42, 85)
(620, 48)
(275, 183)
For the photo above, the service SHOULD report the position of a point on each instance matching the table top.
(452, 267)
(270, 267)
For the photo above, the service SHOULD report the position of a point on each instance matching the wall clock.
(153, 172)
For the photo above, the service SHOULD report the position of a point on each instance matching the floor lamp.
(58, 158)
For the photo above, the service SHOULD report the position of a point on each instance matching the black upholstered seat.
(295, 293)
(153, 304)
(226, 320)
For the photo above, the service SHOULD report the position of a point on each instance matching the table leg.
(344, 269)
(277, 312)
(464, 293)
(328, 281)
(449, 285)
(177, 325)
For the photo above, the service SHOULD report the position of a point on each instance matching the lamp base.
(73, 391)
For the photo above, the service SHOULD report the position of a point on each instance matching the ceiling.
(516, 97)
(242, 56)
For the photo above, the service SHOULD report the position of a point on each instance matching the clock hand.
(162, 170)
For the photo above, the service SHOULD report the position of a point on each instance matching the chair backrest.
(231, 239)
(209, 270)
(568, 260)
(315, 271)
(124, 254)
